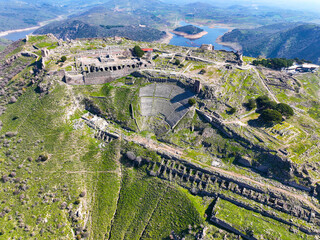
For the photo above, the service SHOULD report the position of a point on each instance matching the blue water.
(210, 38)
(18, 35)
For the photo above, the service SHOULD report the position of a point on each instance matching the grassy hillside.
(59, 180)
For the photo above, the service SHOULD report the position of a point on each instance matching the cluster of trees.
(137, 51)
(274, 63)
(301, 61)
(273, 112)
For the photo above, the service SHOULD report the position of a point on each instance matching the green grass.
(75, 161)
(150, 209)
(243, 219)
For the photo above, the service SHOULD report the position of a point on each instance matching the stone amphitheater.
(168, 100)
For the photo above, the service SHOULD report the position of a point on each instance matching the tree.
(177, 62)
(138, 51)
(271, 116)
(63, 59)
(232, 110)
(192, 101)
(262, 101)
(285, 109)
(251, 104)
(271, 105)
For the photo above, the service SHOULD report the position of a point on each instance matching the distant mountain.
(156, 16)
(136, 4)
(137, 20)
(19, 14)
(249, 15)
(289, 40)
(78, 29)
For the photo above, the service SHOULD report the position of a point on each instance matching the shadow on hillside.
(258, 123)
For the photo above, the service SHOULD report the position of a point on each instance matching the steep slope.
(279, 40)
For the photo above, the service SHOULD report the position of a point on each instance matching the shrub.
(43, 157)
(251, 104)
(137, 51)
(271, 116)
(192, 101)
(285, 109)
(203, 71)
(232, 110)
(177, 62)
(82, 194)
(63, 59)
(249, 232)
(77, 202)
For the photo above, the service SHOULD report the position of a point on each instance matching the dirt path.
(149, 143)
(266, 87)
(179, 152)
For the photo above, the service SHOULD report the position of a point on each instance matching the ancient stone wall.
(92, 74)
(227, 226)
(270, 155)
(206, 183)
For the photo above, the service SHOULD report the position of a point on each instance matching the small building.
(207, 47)
(147, 49)
(302, 68)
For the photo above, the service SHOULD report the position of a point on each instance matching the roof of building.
(147, 49)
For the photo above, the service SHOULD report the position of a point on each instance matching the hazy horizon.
(306, 5)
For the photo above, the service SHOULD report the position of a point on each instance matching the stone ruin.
(101, 127)
(167, 100)
(207, 47)
(99, 67)
(207, 183)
